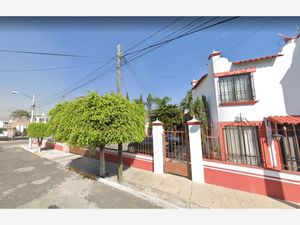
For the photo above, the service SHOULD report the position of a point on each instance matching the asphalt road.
(29, 181)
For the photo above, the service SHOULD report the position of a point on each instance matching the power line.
(45, 53)
(142, 81)
(48, 68)
(101, 75)
(152, 35)
(178, 37)
(187, 26)
(159, 75)
(62, 92)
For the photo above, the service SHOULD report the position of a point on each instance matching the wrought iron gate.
(176, 153)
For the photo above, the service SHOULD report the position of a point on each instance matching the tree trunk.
(102, 171)
(120, 163)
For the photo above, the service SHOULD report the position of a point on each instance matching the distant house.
(3, 124)
(41, 118)
(255, 105)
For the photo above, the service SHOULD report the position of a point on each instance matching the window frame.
(252, 99)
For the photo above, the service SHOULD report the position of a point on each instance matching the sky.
(166, 71)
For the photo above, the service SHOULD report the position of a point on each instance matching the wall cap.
(157, 123)
(193, 121)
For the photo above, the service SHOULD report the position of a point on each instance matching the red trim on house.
(285, 119)
(257, 59)
(214, 54)
(262, 141)
(157, 124)
(237, 103)
(286, 38)
(199, 81)
(193, 123)
(235, 72)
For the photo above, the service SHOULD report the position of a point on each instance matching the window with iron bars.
(242, 145)
(237, 88)
(289, 146)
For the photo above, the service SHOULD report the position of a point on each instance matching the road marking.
(25, 169)
(41, 181)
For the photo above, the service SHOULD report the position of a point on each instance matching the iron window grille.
(242, 145)
(237, 88)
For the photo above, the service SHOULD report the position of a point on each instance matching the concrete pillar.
(197, 169)
(158, 150)
(66, 148)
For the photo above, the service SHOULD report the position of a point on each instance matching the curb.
(156, 201)
(139, 194)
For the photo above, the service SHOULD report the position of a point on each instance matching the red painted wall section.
(271, 188)
(58, 147)
(110, 157)
(131, 162)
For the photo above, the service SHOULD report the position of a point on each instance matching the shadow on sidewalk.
(89, 167)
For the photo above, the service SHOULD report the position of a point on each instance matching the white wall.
(1, 124)
(206, 88)
(291, 83)
(268, 85)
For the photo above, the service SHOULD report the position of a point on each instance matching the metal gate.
(176, 153)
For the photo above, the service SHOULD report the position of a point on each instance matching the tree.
(168, 114)
(94, 121)
(161, 101)
(37, 130)
(127, 95)
(200, 111)
(139, 100)
(19, 113)
(186, 103)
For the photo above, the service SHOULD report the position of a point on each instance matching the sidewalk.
(175, 191)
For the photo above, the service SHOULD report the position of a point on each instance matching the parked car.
(144, 146)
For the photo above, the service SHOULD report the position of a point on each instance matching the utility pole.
(32, 119)
(119, 60)
(120, 145)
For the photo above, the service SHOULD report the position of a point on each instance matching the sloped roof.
(257, 59)
(285, 119)
(199, 81)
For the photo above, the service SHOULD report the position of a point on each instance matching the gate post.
(197, 169)
(158, 150)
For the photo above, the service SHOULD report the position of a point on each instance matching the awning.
(285, 119)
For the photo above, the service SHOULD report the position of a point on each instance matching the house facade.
(254, 104)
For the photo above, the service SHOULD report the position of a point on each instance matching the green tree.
(186, 103)
(200, 110)
(139, 100)
(94, 121)
(168, 114)
(161, 101)
(37, 130)
(19, 113)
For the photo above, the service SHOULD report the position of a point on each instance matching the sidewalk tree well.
(37, 130)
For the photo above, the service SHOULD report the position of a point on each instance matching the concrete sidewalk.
(174, 191)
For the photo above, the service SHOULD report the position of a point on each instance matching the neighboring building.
(41, 118)
(254, 106)
(3, 124)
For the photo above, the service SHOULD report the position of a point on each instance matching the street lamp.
(32, 110)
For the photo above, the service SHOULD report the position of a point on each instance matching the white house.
(255, 103)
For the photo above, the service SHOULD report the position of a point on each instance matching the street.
(29, 181)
